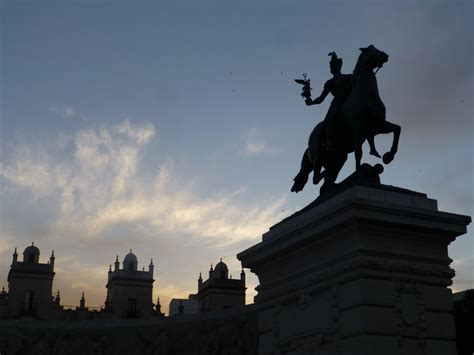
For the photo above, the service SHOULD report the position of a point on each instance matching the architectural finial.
(130, 250)
(15, 256)
(110, 267)
(52, 254)
(83, 301)
(151, 261)
(32, 244)
(221, 259)
(116, 258)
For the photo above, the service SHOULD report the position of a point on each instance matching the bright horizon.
(176, 129)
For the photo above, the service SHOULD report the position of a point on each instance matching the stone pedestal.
(365, 271)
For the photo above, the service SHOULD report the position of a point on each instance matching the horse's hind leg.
(373, 150)
(302, 177)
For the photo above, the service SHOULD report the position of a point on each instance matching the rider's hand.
(308, 102)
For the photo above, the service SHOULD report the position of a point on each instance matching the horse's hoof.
(388, 157)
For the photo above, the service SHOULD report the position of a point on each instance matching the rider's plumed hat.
(335, 62)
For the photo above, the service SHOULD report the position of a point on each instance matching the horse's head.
(371, 58)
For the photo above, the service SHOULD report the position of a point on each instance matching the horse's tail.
(302, 177)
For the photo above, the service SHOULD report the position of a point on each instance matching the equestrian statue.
(356, 114)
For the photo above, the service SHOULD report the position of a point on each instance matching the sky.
(175, 128)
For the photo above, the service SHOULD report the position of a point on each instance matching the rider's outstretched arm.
(321, 97)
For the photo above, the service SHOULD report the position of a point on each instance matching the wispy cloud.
(64, 111)
(101, 186)
(103, 202)
(256, 143)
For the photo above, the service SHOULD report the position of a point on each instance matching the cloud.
(102, 187)
(102, 201)
(463, 279)
(255, 144)
(64, 111)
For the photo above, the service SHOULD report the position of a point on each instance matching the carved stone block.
(365, 271)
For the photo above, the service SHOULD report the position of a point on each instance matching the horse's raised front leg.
(389, 127)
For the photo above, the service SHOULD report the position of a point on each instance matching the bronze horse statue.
(362, 117)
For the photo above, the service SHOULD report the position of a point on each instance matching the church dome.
(130, 257)
(31, 254)
(221, 270)
(130, 261)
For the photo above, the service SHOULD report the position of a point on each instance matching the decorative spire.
(158, 307)
(130, 250)
(51, 260)
(82, 302)
(242, 276)
(15, 256)
(151, 267)
(57, 299)
(117, 263)
(32, 244)
(110, 267)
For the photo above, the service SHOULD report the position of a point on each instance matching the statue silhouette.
(356, 113)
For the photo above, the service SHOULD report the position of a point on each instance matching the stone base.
(365, 271)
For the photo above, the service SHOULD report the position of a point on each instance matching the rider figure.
(339, 86)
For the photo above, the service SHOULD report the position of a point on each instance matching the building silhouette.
(180, 306)
(220, 292)
(29, 286)
(129, 290)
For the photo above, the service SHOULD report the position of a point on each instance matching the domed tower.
(30, 285)
(129, 290)
(221, 271)
(130, 262)
(220, 292)
(31, 254)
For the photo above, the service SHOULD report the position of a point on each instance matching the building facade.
(30, 286)
(220, 292)
(129, 290)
